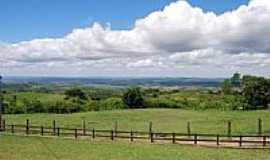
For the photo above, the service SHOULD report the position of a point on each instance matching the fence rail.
(181, 138)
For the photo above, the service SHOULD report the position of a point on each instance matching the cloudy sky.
(153, 38)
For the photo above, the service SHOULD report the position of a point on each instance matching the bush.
(111, 104)
(15, 109)
(133, 98)
(75, 93)
(34, 106)
(161, 103)
(256, 91)
(66, 106)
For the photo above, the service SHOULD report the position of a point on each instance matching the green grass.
(165, 120)
(43, 97)
(33, 148)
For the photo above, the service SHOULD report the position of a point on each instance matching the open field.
(33, 148)
(164, 120)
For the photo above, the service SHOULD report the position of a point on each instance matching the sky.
(163, 38)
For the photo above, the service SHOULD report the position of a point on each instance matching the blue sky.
(28, 19)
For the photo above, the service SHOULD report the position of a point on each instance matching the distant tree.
(236, 80)
(76, 93)
(133, 98)
(232, 85)
(227, 87)
(256, 90)
(1, 99)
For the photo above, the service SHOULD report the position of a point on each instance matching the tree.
(227, 87)
(76, 93)
(232, 85)
(256, 90)
(133, 98)
(1, 101)
(236, 80)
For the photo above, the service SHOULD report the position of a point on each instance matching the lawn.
(165, 120)
(34, 148)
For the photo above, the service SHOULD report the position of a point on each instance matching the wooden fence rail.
(189, 138)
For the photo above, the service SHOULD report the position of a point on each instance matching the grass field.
(43, 97)
(33, 148)
(165, 120)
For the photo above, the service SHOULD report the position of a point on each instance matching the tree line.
(255, 90)
(237, 93)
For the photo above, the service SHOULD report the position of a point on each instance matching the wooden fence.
(175, 138)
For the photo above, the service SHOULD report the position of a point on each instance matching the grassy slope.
(32, 148)
(166, 120)
(43, 97)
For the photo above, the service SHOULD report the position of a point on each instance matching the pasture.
(33, 148)
(164, 120)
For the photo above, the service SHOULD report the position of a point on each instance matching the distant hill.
(181, 82)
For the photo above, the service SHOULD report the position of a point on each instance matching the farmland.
(164, 120)
(170, 110)
(32, 148)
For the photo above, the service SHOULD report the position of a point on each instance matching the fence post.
(217, 140)
(150, 129)
(58, 131)
(84, 127)
(259, 126)
(264, 141)
(240, 140)
(12, 129)
(229, 131)
(76, 133)
(131, 136)
(152, 137)
(4, 124)
(42, 130)
(112, 135)
(54, 127)
(115, 128)
(173, 138)
(188, 129)
(93, 133)
(27, 126)
(195, 139)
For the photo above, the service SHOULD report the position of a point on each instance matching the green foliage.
(69, 100)
(133, 98)
(161, 103)
(77, 93)
(227, 87)
(32, 102)
(236, 80)
(111, 104)
(256, 91)
(66, 106)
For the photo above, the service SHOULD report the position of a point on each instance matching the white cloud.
(179, 38)
(218, 58)
(146, 63)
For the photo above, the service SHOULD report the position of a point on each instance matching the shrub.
(111, 104)
(161, 103)
(15, 109)
(133, 98)
(76, 93)
(66, 106)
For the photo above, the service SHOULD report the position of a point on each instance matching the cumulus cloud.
(179, 37)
